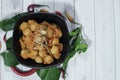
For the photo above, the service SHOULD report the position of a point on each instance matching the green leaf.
(49, 73)
(9, 44)
(8, 24)
(9, 59)
(81, 47)
(75, 32)
(71, 54)
(76, 45)
(16, 17)
(75, 42)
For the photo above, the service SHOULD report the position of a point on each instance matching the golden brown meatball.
(24, 25)
(24, 54)
(27, 32)
(33, 54)
(48, 59)
(56, 55)
(50, 32)
(55, 52)
(38, 59)
(57, 33)
(54, 49)
(42, 54)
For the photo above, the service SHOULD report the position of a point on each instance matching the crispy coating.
(40, 41)
(54, 49)
(58, 33)
(24, 25)
(60, 45)
(48, 59)
(54, 41)
(42, 54)
(24, 54)
(33, 54)
(57, 55)
(38, 59)
(27, 32)
(33, 25)
(50, 32)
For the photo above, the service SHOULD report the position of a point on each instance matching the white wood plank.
(41, 2)
(59, 5)
(13, 6)
(45, 2)
(85, 62)
(117, 36)
(38, 1)
(26, 3)
(70, 8)
(105, 42)
(0, 8)
(0, 36)
(4, 69)
(50, 3)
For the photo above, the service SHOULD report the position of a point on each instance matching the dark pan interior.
(40, 17)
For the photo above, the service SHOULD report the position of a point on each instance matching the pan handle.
(20, 72)
(31, 7)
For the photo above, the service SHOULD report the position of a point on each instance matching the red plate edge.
(23, 73)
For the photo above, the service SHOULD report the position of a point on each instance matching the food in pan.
(40, 41)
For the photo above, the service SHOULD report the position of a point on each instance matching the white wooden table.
(101, 22)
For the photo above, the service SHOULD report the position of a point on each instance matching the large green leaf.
(49, 74)
(9, 59)
(9, 44)
(8, 24)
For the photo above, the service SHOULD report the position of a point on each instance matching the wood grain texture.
(26, 3)
(51, 5)
(0, 36)
(117, 36)
(38, 1)
(13, 6)
(0, 8)
(85, 63)
(59, 5)
(104, 31)
(101, 24)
